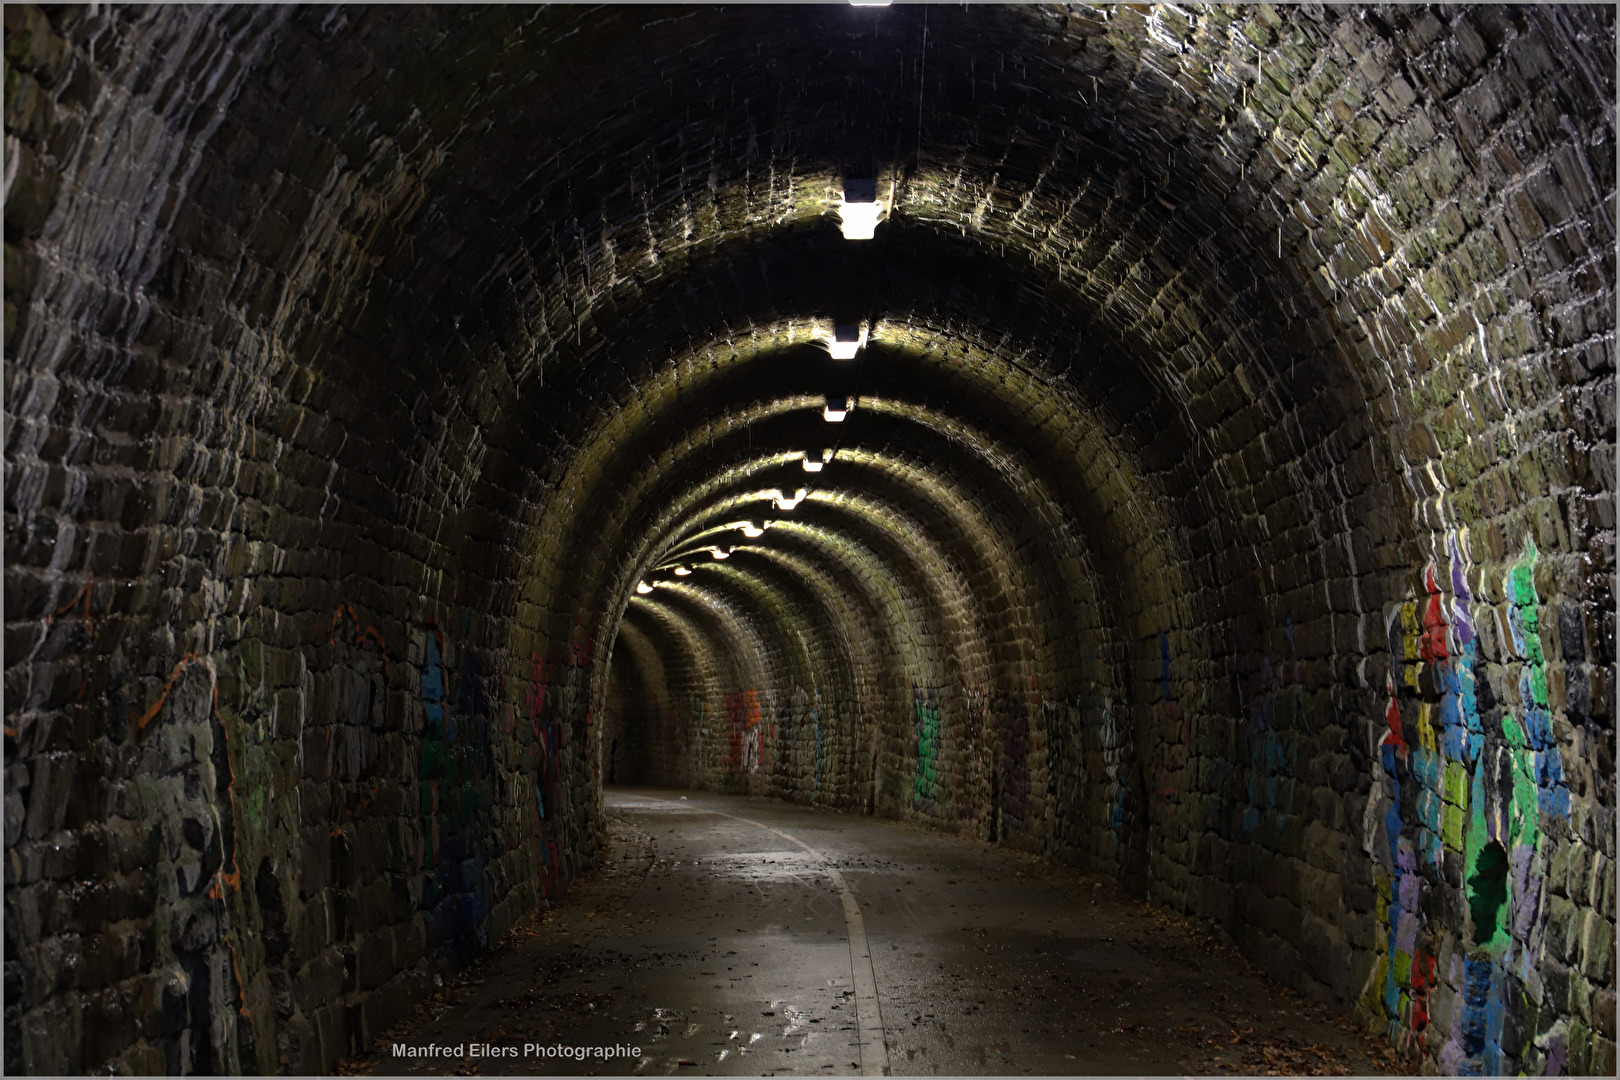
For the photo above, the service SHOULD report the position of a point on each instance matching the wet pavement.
(724, 935)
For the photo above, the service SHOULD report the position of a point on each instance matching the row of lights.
(858, 214)
(781, 500)
(860, 211)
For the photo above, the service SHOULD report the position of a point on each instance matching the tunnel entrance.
(1174, 443)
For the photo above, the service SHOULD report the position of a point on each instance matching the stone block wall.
(1228, 502)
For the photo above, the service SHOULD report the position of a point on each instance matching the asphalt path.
(728, 935)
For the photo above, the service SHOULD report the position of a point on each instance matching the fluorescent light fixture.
(682, 571)
(859, 220)
(643, 588)
(785, 503)
(860, 211)
(834, 409)
(847, 341)
(869, 3)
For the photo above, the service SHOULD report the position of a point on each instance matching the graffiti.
(580, 644)
(1463, 788)
(1271, 754)
(432, 763)
(457, 807)
(1265, 781)
(925, 706)
(744, 732)
(1175, 729)
(754, 738)
(540, 678)
(697, 721)
(471, 697)
(156, 707)
(1524, 625)
(1115, 749)
(1407, 766)
(559, 711)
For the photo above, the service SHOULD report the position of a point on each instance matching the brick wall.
(1228, 504)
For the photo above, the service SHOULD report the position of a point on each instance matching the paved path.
(744, 936)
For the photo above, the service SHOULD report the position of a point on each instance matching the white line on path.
(869, 1017)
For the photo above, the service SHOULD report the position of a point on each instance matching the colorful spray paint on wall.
(1275, 717)
(547, 738)
(743, 731)
(925, 713)
(455, 782)
(1484, 781)
(754, 732)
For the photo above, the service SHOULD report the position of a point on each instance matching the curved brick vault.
(1227, 501)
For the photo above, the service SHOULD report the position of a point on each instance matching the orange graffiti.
(146, 717)
(1433, 642)
(82, 594)
(360, 634)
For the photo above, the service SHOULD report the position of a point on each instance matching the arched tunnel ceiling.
(1205, 346)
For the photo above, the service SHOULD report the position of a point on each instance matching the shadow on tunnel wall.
(1221, 495)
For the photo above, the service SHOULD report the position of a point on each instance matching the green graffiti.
(1487, 893)
(1456, 802)
(927, 716)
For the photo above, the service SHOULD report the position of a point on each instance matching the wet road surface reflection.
(714, 946)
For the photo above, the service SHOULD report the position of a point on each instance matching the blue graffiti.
(433, 684)
(1164, 668)
(1272, 759)
(470, 695)
(1552, 790)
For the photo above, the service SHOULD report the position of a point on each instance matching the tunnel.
(1171, 442)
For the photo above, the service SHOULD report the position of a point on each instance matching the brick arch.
(1307, 314)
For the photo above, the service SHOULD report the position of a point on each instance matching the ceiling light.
(847, 341)
(643, 588)
(860, 211)
(834, 409)
(869, 3)
(785, 503)
(682, 571)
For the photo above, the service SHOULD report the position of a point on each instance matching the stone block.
(1596, 947)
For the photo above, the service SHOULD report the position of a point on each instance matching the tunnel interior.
(418, 417)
